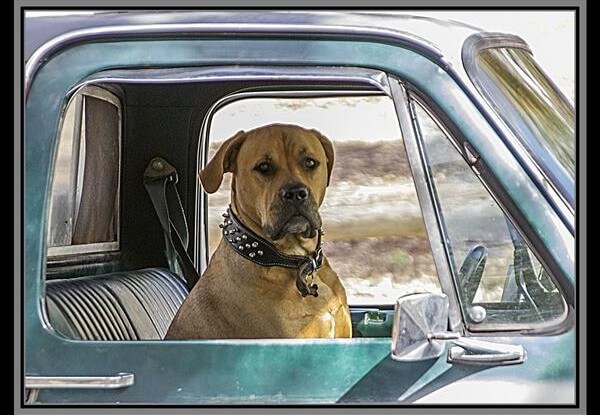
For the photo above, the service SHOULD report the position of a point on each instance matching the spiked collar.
(260, 251)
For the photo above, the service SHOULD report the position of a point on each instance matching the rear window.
(85, 198)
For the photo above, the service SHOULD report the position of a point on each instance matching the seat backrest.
(131, 305)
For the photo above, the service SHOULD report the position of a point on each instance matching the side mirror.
(417, 317)
(420, 333)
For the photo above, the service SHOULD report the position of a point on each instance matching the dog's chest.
(314, 316)
(272, 306)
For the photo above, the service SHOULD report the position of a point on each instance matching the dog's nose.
(294, 193)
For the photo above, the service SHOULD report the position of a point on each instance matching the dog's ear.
(328, 147)
(222, 162)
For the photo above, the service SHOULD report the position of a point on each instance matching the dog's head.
(280, 173)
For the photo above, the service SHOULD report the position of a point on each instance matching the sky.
(359, 118)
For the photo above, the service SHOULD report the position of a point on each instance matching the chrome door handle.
(476, 352)
(120, 380)
(457, 354)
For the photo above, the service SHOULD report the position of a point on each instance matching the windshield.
(533, 108)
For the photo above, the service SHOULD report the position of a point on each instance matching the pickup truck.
(450, 217)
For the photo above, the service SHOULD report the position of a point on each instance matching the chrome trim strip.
(121, 380)
(492, 40)
(426, 200)
(55, 251)
(43, 53)
(338, 74)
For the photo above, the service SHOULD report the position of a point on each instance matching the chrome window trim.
(435, 233)
(57, 251)
(103, 94)
(201, 228)
(560, 324)
(474, 44)
(180, 75)
(120, 380)
(44, 52)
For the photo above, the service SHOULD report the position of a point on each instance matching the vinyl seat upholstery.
(132, 305)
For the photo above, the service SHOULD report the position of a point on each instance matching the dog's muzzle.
(296, 213)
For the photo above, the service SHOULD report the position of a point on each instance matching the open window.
(375, 239)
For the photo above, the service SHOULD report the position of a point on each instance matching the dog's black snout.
(294, 193)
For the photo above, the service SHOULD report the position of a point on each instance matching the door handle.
(476, 352)
(457, 354)
(120, 380)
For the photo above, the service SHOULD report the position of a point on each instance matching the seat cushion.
(131, 305)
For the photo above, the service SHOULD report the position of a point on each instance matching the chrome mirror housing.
(417, 316)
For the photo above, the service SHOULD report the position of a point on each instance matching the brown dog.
(280, 173)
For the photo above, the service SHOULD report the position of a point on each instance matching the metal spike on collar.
(247, 243)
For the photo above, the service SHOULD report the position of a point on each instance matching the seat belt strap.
(160, 179)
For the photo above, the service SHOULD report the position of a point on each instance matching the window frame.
(559, 325)
(387, 84)
(94, 91)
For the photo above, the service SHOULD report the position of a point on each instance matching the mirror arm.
(444, 335)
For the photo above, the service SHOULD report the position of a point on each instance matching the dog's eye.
(310, 163)
(264, 167)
